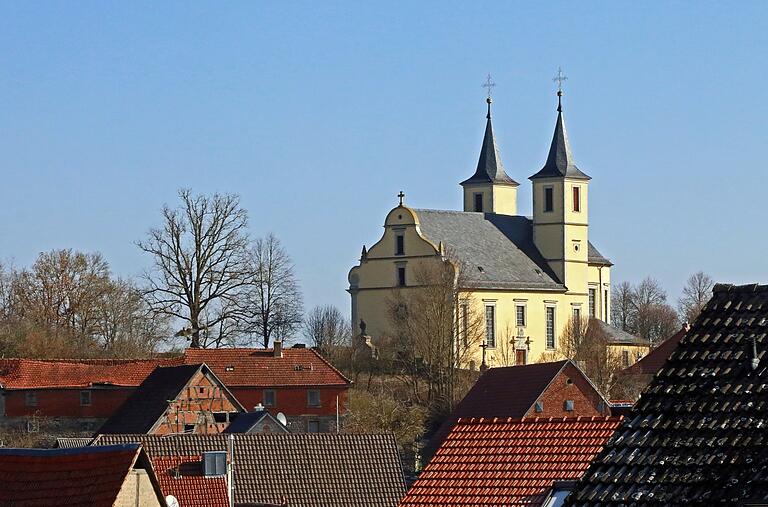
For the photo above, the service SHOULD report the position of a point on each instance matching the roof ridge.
(324, 360)
(749, 287)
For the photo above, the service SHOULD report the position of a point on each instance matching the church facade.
(527, 276)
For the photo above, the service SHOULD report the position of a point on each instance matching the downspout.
(230, 469)
(600, 290)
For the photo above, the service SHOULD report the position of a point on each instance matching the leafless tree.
(696, 292)
(622, 306)
(436, 330)
(643, 310)
(585, 341)
(201, 268)
(274, 298)
(326, 328)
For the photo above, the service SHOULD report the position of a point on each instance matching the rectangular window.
(576, 200)
(400, 245)
(625, 358)
(401, 276)
(490, 326)
(569, 405)
(465, 324)
(550, 327)
(592, 297)
(539, 407)
(576, 313)
(313, 427)
(269, 398)
(30, 399)
(605, 303)
(313, 398)
(85, 398)
(520, 315)
(549, 199)
(479, 202)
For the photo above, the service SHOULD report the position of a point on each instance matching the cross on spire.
(401, 195)
(559, 78)
(489, 84)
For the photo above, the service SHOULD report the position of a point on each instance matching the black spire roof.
(489, 167)
(560, 159)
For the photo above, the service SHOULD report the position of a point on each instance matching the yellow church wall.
(501, 199)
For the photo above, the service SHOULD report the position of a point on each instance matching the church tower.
(560, 210)
(490, 190)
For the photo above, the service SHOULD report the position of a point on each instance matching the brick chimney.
(278, 347)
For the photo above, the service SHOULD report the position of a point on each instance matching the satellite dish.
(171, 501)
(281, 417)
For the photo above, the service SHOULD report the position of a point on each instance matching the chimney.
(278, 348)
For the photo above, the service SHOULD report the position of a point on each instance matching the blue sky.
(318, 113)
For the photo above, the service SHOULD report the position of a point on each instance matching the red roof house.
(556, 389)
(184, 478)
(509, 461)
(92, 476)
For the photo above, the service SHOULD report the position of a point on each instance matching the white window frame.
(554, 327)
(525, 314)
(491, 304)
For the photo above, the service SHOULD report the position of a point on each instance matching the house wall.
(195, 406)
(293, 403)
(66, 402)
(587, 401)
(137, 490)
(634, 351)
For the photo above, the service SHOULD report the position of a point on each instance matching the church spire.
(489, 166)
(560, 158)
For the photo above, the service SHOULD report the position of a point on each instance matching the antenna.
(171, 501)
(281, 417)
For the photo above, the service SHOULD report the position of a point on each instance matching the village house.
(67, 396)
(556, 389)
(526, 277)
(510, 462)
(697, 434)
(176, 399)
(298, 470)
(111, 476)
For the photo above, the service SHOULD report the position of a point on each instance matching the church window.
(520, 315)
(399, 244)
(490, 326)
(401, 276)
(550, 327)
(592, 297)
(479, 202)
(549, 199)
(576, 313)
(576, 199)
(605, 303)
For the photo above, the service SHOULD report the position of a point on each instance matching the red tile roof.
(182, 477)
(76, 373)
(260, 367)
(89, 476)
(509, 461)
(656, 358)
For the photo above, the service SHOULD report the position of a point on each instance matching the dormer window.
(549, 199)
(400, 244)
(479, 203)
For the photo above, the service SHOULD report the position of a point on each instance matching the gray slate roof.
(560, 159)
(618, 337)
(489, 166)
(308, 469)
(502, 245)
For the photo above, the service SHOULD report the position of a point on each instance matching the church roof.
(560, 162)
(498, 253)
(489, 166)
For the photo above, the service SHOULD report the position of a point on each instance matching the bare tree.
(274, 298)
(696, 293)
(643, 310)
(622, 306)
(201, 269)
(326, 328)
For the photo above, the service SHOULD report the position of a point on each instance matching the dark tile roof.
(656, 358)
(560, 159)
(508, 461)
(697, 436)
(260, 368)
(507, 392)
(182, 477)
(89, 476)
(149, 401)
(595, 257)
(72, 442)
(489, 166)
(318, 470)
(245, 422)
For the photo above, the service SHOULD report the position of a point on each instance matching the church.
(527, 276)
